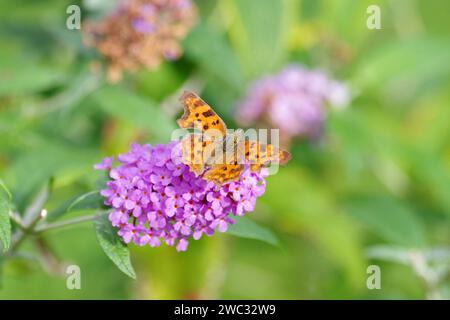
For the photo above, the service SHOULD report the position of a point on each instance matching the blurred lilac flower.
(143, 26)
(293, 101)
(155, 198)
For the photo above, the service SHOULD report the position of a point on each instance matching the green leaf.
(5, 188)
(313, 213)
(32, 169)
(1, 272)
(21, 75)
(344, 17)
(405, 65)
(389, 219)
(2, 262)
(257, 33)
(90, 200)
(127, 106)
(433, 176)
(246, 228)
(214, 56)
(160, 83)
(5, 223)
(113, 245)
(60, 210)
(80, 86)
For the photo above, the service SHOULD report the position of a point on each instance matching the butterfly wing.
(199, 115)
(221, 173)
(198, 148)
(260, 155)
(192, 152)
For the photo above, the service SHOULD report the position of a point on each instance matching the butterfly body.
(215, 152)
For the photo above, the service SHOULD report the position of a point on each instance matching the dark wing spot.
(208, 113)
(205, 127)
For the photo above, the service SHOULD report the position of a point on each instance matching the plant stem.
(33, 213)
(20, 235)
(14, 216)
(26, 229)
(61, 224)
(429, 277)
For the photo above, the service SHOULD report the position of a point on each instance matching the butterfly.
(215, 153)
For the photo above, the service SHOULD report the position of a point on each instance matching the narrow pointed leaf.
(246, 228)
(113, 246)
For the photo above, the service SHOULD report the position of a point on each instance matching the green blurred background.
(376, 190)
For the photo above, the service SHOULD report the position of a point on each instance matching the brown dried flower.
(140, 33)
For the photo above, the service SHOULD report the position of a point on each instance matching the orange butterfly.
(215, 153)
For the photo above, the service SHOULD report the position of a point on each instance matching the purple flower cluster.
(154, 197)
(293, 101)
